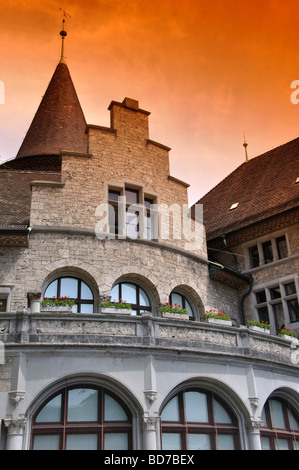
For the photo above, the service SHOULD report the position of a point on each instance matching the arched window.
(179, 298)
(281, 426)
(75, 288)
(133, 294)
(82, 418)
(197, 419)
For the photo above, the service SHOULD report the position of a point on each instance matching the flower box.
(52, 308)
(115, 311)
(219, 321)
(289, 338)
(175, 316)
(259, 329)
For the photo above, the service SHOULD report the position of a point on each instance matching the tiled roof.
(262, 187)
(59, 123)
(15, 195)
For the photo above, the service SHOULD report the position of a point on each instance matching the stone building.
(92, 213)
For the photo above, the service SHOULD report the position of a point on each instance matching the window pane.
(51, 412)
(282, 248)
(86, 308)
(261, 297)
(143, 298)
(50, 442)
(267, 251)
(176, 299)
(293, 310)
(171, 411)
(113, 195)
(129, 293)
(82, 405)
(196, 407)
(199, 442)
(294, 423)
(82, 442)
(86, 292)
(266, 443)
(116, 441)
(254, 256)
(225, 442)
(132, 226)
(69, 287)
(51, 289)
(221, 415)
(281, 444)
(3, 305)
(188, 308)
(275, 293)
(171, 441)
(276, 414)
(279, 314)
(263, 314)
(113, 411)
(131, 196)
(290, 288)
(115, 293)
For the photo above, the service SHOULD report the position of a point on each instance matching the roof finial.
(63, 34)
(245, 145)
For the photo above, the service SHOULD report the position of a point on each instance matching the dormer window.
(234, 206)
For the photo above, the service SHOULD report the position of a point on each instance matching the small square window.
(113, 195)
(290, 288)
(3, 305)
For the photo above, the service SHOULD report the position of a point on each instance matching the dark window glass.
(263, 314)
(113, 195)
(290, 288)
(282, 248)
(131, 196)
(261, 297)
(275, 293)
(3, 305)
(267, 252)
(254, 256)
(293, 308)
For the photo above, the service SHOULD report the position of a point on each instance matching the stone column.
(254, 434)
(15, 430)
(150, 428)
(35, 300)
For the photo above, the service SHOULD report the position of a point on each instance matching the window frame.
(269, 430)
(259, 246)
(101, 427)
(122, 208)
(138, 307)
(78, 300)
(273, 302)
(184, 428)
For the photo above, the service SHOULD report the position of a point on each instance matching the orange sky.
(206, 70)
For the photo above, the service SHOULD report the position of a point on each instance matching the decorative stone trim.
(150, 423)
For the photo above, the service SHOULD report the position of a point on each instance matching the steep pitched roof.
(262, 187)
(59, 123)
(15, 195)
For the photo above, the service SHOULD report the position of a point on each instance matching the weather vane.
(63, 34)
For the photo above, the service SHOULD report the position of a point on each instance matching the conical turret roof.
(59, 123)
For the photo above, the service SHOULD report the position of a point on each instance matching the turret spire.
(63, 35)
